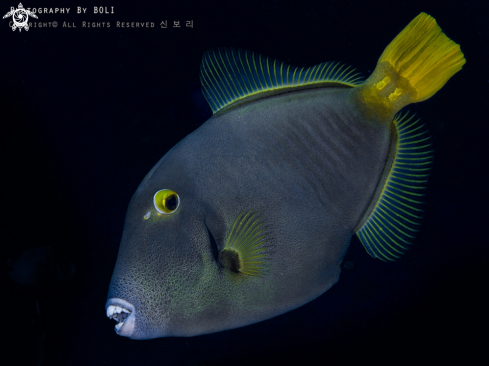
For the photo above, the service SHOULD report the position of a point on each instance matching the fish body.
(251, 215)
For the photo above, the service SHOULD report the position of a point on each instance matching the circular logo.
(20, 18)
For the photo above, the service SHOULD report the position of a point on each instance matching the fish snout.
(123, 313)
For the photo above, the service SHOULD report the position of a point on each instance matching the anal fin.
(393, 216)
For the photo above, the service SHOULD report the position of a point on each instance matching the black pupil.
(171, 202)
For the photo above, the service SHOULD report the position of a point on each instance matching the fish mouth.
(123, 313)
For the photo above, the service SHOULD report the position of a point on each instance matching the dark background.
(86, 113)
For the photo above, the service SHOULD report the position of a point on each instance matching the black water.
(86, 112)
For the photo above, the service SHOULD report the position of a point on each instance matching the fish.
(250, 215)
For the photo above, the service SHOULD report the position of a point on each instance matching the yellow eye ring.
(166, 201)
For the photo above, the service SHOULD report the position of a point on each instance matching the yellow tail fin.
(413, 67)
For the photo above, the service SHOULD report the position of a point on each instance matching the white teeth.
(118, 326)
(111, 310)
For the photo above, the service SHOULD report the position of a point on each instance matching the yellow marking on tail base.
(395, 94)
(413, 67)
(381, 84)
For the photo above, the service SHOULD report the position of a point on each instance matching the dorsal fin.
(231, 76)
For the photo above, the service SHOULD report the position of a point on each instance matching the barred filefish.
(250, 216)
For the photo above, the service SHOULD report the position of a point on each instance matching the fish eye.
(166, 201)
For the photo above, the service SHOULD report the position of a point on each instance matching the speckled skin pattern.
(308, 162)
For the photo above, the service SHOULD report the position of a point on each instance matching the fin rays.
(395, 218)
(246, 239)
(229, 76)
